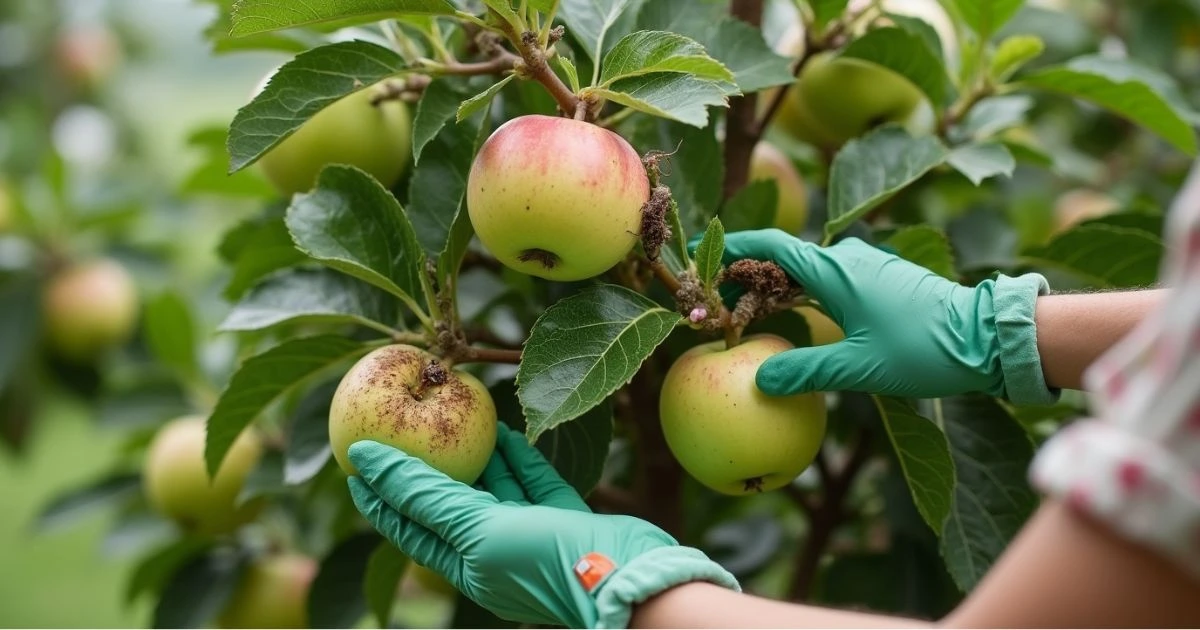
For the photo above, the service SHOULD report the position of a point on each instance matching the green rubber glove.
(909, 332)
(523, 545)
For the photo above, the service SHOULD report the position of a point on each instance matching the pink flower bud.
(698, 314)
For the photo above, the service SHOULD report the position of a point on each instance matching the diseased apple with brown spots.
(557, 198)
(405, 397)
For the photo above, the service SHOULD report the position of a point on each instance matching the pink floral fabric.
(1136, 464)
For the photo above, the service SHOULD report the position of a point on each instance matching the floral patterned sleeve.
(1135, 465)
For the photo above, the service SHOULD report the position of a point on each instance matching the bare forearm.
(1074, 330)
(702, 605)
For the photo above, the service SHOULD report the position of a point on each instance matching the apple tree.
(537, 193)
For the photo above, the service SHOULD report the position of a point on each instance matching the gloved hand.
(525, 546)
(909, 332)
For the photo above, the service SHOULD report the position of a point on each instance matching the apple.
(1079, 205)
(89, 307)
(376, 138)
(6, 210)
(725, 432)
(791, 211)
(177, 484)
(272, 593)
(87, 54)
(557, 198)
(836, 99)
(406, 397)
(431, 581)
(822, 329)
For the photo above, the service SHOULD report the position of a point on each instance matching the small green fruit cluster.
(557, 198)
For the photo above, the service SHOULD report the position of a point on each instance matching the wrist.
(1014, 302)
(651, 574)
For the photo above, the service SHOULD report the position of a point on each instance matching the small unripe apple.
(725, 432)
(836, 99)
(374, 137)
(272, 593)
(405, 397)
(177, 484)
(791, 210)
(557, 198)
(822, 330)
(88, 308)
(87, 54)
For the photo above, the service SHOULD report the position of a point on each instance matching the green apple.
(791, 211)
(836, 99)
(177, 484)
(88, 308)
(272, 593)
(374, 137)
(728, 434)
(405, 397)
(557, 198)
(822, 329)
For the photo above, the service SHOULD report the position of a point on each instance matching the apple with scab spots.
(407, 398)
(557, 198)
(725, 432)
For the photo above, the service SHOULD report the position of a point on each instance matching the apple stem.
(538, 69)
(733, 336)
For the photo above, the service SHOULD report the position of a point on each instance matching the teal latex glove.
(519, 545)
(909, 332)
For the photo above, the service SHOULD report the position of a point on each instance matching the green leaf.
(589, 22)
(670, 95)
(869, 170)
(583, 348)
(742, 49)
(996, 114)
(577, 449)
(926, 246)
(337, 597)
(300, 89)
(313, 296)
(438, 105)
(20, 323)
(1121, 87)
(923, 29)
(710, 252)
(351, 223)
(826, 11)
(84, 501)
(1107, 256)
(255, 248)
(568, 68)
(1013, 53)
(153, 570)
(505, 10)
(385, 568)
(985, 17)
(171, 332)
(481, 100)
(905, 53)
(198, 591)
(260, 16)
(308, 446)
(978, 162)
(648, 52)
(263, 379)
(924, 456)
(992, 497)
(265, 479)
(753, 207)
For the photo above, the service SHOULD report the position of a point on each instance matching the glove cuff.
(651, 573)
(1014, 301)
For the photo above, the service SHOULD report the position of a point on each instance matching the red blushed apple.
(557, 198)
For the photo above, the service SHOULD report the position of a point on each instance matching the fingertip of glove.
(774, 378)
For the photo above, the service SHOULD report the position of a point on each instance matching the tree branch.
(616, 500)
(504, 61)
(472, 354)
(665, 276)
(741, 132)
(484, 335)
(537, 68)
(828, 515)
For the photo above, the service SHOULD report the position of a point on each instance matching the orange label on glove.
(592, 568)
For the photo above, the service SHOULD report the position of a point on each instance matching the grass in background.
(59, 578)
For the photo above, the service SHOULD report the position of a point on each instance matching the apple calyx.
(753, 484)
(433, 375)
(549, 260)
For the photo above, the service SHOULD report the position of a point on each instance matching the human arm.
(1073, 330)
